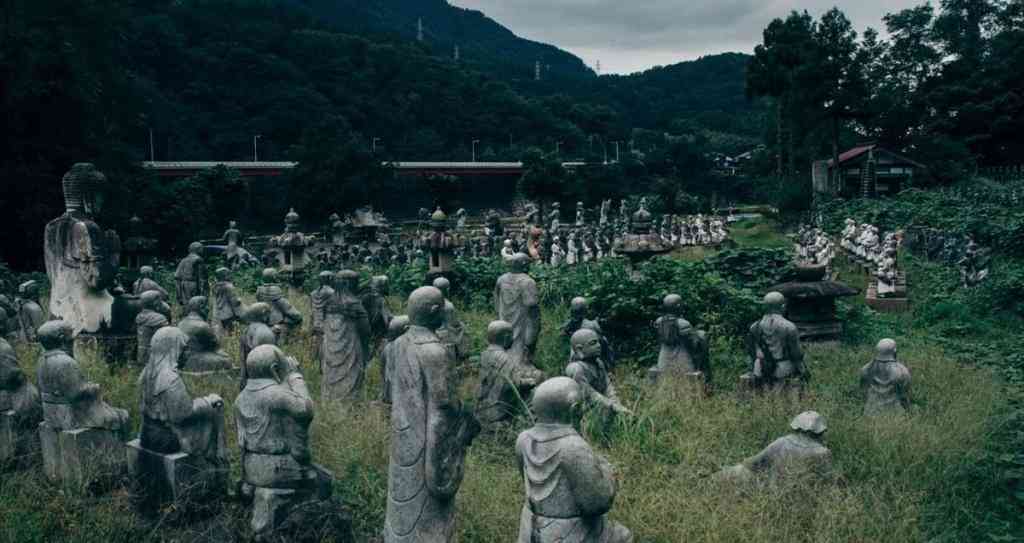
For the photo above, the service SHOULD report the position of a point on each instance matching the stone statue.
(555, 216)
(973, 266)
(578, 308)
(887, 274)
(258, 332)
(797, 453)
(273, 414)
(318, 300)
(204, 352)
(376, 304)
(580, 219)
(507, 252)
(147, 323)
(441, 245)
(398, 326)
(517, 303)
(283, 317)
(430, 430)
(145, 283)
(190, 276)
(773, 345)
(505, 380)
(233, 237)
(227, 307)
(69, 401)
(30, 313)
(345, 350)
(460, 219)
(684, 349)
(557, 252)
(19, 402)
(451, 333)
(606, 208)
(82, 261)
(885, 382)
(591, 373)
(172, 421)
(569, 487)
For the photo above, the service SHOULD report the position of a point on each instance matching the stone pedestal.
(114, 349)
(82, 459)
(179, 478)
(895, 303)
(18, 446)
(289, 510)
(693, 381)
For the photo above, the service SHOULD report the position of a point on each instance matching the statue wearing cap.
(773, 345)
(569, 487)
(30, 313)
(504, 378)
(190, 277)
(345, 350)
(591, 373)
(578, 308)
(800, 452)
(517, 302)
(885, 382)
(257, 332)
(318, 300)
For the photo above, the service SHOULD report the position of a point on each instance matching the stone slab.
(82, 459)
(174, 478)
(892, 304)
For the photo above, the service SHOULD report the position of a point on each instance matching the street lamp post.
(558, 147)
(616, 150)
(373, 145)
(474, 149)
(255, 156)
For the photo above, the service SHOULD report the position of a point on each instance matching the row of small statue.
(877, 255)
(814, 247)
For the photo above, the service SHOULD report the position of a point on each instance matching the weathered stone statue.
(82, 261)
(773, 344)
(517, 303)
(190, 277)
(606, 208)
(507, 252)
(799, 453)
(505, 380)
(569, 487)
(578, 308)
(430, 430)
(398, 326)
(318, 300)
(684, 349)
(204, 354)
(258, 332)
(233, 237)
(283, 317)
(973, 266)
(580, 218)
(346, 344)
(272, 414)
(887, 274)
(376, 304)
(555, 216)
(30, 313)
(440, 244)
(885, 382)
(145, 283)
(20, 409)
(174, 423)
(147, 323)
(69, 401)
(227, 307)
(591, 373)
(451, 333)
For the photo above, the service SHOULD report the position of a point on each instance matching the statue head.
(198, 305)
(774, 303)
(672, 304)
(326, 278)
(258, 312)
(232, 224)
(168, 347)
(426, 308)
(56, 335)
(81, 189)
(348, 281)
(443, 285)
(499, 333)
(586, 344)
(223, 274)
(810, 423)
(268, 362)
(151, 299)
(520, 263)
(195, 248)
(380, 284)
(886, 351)
(269, 276)
(28, 289)
(507, 244)
(398, 326)
(556, 401)
(578, 307)
(291, 220)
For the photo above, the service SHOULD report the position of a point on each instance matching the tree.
(544, 178)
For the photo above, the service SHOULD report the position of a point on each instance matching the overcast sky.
(633, 35)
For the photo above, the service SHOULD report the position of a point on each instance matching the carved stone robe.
(517, 303)
(16, 392)
(345, 348)
(886, 386)
(505, 382)
(69, 401)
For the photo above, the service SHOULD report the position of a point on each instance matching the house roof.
(862, 149)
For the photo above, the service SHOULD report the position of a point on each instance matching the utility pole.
(474, 149)
(558, 146)
(598, 67)
(419, 29)
(152, 153)
(373, 145)
(255, 157)
(616, 151)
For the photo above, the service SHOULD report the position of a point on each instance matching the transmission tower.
(536, 71)
(419, 29)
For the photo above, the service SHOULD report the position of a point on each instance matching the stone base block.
(693, 381)
(180, 479)
(826, 330)
(288, 510)
(898, 302)
(114, 349)
(82, 459)
(18, 446)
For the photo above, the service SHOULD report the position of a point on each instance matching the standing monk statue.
(190, 277)
(430, 430)
(346, 341)
(517, 303)
(227, 307)
(773, 345)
